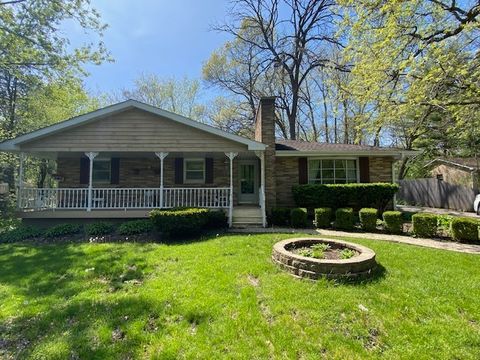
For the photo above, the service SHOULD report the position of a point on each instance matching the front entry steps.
(247, 216)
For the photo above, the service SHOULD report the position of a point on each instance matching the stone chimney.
(265, 133)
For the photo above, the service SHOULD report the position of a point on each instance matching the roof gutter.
(398, 153)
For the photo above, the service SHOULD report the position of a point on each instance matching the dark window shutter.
(84, 170)
(364, 165)
(302, 171)
(178, 170)
(115, 171)
(209, 171)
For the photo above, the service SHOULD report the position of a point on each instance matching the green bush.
(444, 223)
(135, 227)
(298, 217)
(465, 229)
(62, 230)
(20, 233)
(344, 219)
(181, 222)
(323, 217)
(368, 218)
(425, 225)
(280, 216)
(99, 228)
(217, 219)
(393, 221)
(376, 195)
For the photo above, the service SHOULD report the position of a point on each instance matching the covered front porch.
(126, 184)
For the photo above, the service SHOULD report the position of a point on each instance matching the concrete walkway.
(438, 211)
(430, 243)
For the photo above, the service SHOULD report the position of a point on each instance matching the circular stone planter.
(359, 266)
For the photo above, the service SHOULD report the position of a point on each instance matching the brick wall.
(286, 176)
(381, 169)
(454, 175)
(142, 172)
(265, 133)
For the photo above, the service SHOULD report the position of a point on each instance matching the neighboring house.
(457, 171)
(125, 159)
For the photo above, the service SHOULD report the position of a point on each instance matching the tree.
(178, 96)
(294, 36)
(34, 53)
(415, 61)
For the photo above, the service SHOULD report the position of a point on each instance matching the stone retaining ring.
(358, 266)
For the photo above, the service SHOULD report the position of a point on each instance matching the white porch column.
(20, 181)
(231, 156)
(91, 155)
(261, 156)
(161, 156)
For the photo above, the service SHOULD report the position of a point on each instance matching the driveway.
(436, 211)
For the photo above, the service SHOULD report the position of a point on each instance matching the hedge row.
(462, 229)
(186, 222)
(373, 195)
(181, 222)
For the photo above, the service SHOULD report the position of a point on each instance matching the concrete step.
(246, 225)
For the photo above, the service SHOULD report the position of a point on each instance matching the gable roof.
(299, 147)
(14, 144)
(469, 163)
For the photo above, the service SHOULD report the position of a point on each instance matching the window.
(101, 171)
(194, 171)
(330, 171)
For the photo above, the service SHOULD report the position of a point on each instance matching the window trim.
(191, 181)
(109, 181)
(357, 166)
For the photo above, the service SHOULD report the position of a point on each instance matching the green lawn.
(223, 298)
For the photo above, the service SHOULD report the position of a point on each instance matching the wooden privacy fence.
(436, 193)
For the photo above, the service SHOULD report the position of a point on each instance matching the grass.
(223, 298)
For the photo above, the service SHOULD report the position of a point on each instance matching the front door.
(248, 175)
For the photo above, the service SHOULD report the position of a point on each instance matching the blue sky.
(168, 38)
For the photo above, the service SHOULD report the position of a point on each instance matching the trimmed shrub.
(368, 219)
(62, 230)
(280, 216)
(99, 228)
(298, 217)
(393, 221)
(344, 219)
(135, 227)
(375, 195)
(465, 229)
(217, 219)
(425, 225)
(323, 217)
(181, 222)
(20, 233)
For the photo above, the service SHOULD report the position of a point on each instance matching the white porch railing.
(122, 198)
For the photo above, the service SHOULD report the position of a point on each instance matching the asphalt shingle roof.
(299, 145)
